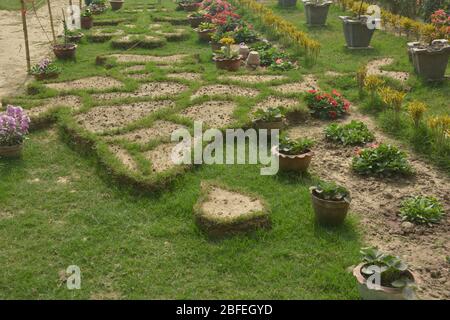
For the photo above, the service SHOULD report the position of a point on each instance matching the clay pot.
(431, 62)
(244, 51)
(195, 21)
(205, 35)
(215, 46)
(383, 293)
(11, 151)
(86, 22)
(357, 34)
(269, 126)
(62, 51)
(329, 212)
(253, 59)
(75, 38)
(298, 163)
(228, 64)
(189, 7)
(287, 3)
(316, 15)
(116, 4)
(46, 76)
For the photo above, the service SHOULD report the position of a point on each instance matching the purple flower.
(14, 125)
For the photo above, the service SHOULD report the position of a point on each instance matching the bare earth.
(13, 73)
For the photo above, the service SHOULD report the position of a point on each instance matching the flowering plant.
(283, 65)
(226, 52)
(327, 106)
(441, 21)
(295, 147)
(45, 66)
(212, 7)
(206, 26)
(14, 124)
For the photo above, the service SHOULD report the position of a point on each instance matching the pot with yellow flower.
(205, 31)
(227, 58)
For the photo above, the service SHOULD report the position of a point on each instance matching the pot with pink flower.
(14, 125)
(327, 106)
(45, 69)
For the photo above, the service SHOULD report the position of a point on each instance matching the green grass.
(15, 4)
(60, 207)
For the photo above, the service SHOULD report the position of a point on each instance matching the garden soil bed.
(309, 82)
(275, 102)
(124, 157)
(91, 83)
(374, 68)
(216, 114)
(257, 78)
(225, 90)
(151, 89)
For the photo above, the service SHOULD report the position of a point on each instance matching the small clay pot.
(86, 22)
(269, 126)
(329, 212)
(228, 64)
(383, 293)
(215, 46)
(195, 21)
(244, 51)
(46, 76)
(62, 51)
(298, 163)
(189, 7)
(116, 4)
(205, 35)
(75, 38)
(253, 59)
(11, 151)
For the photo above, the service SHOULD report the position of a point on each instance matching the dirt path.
(12, 54)
(376, 201)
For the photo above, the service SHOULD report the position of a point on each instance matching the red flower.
(312, 91)
(336, 93)
(332, 114)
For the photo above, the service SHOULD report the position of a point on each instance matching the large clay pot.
(298, 163)
(116, 4)
(11, 151)
(357, 34)
(86, 22)
(287, 3)
(195, 21)
(65, 52)
(205, 35)
(189, 7)
(384, 293)
(431, 62)
(329, 212)
(228, 64)
(316, 15)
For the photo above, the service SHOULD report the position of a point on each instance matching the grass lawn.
(15, 4)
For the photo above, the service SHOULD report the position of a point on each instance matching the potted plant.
(227, 58)
(316, 11)
(98, 6)
(45, 69)
(86, 19)
(327, 106)
(287, 3)
(205, 31)
(14, 124)
(272, 118)
(74, 36)
(216, 37)
(65, 50)
(116, 4)
(196, 18)
(356, 30)
(294, 155)
(188, 5)
(330, 203)
(382, 276)
(430, 59)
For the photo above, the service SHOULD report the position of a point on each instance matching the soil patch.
(136, 58)
(151, 89)
(191, 76)
(161, 157)
(308, 83)
(125, 158)
(275, 102)
(225, 90)
(257, 78)
(216, 114)
(90, 83)
(73, 102)
(374, 68)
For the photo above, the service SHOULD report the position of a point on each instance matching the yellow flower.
(416, 109)
(227, 41)
(372, 83)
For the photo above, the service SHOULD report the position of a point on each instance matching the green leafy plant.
(353, 133)
(269, 115)
(330, 191)
(381, 160)
(422, 210)
(294, 147)
(86, 13)
(393, 271)
(327, 106)
(206, 26)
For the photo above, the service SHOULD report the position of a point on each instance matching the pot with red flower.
(205, 31)
(65, 50)
(330, 203)
(327, 106)
(86, 19)
(270, 119)
(14, 125)
(227, 58)
(294, 155)
(45, 69)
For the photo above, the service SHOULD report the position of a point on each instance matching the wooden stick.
(25, 34)
(51, 20)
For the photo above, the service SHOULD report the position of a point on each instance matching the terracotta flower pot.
(298, 163)
(228, 64)
(11, 151)
(62, 51)
(46, 76)
(189, 7)
(431, 62)
(86, 22)
(269, 126)
(195, 21)
(316, 15)
(205, 35)
(329, 212)
(384, 293)
(357, 34)
(75, 38)
(116, 4)
(287, 3)
(215, 46)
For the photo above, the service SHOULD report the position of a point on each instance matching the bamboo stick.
(25, 34)
(51, 20)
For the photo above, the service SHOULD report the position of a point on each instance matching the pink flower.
(279, 61)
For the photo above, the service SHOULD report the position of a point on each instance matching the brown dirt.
(136, 58)
(124, 157)
(227, 90)
(103, 118)
(160, 157)
(376, 201)
(15, 75)
(151, 89)
(228, 204)
(191, 76)
(216, 114)
(275, 102)
(159, 130)
(140, 76)
(374, 68)
(90, 83)
(73, 102)
(308, 83)
(134, 68)
(256, 78)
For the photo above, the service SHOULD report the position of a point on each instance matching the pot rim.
(70, 46)
(311, 190)
(224, 59)
(276, 152)
(361, 280)
(323, 4)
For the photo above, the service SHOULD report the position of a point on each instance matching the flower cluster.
(45, 66)
(441, 21)
(214, 7)
(283, 65)
(327, 106)
(14, 125)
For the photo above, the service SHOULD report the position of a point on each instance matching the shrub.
(293, 147)
(422, 210)
(14, 125)
(45, 66)
(269, 115)
(392, 99)
(330, 191)
(416, 110)
(381, 160)
(327, 106)
(440, 126)
(354, 133)
(372, 84)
